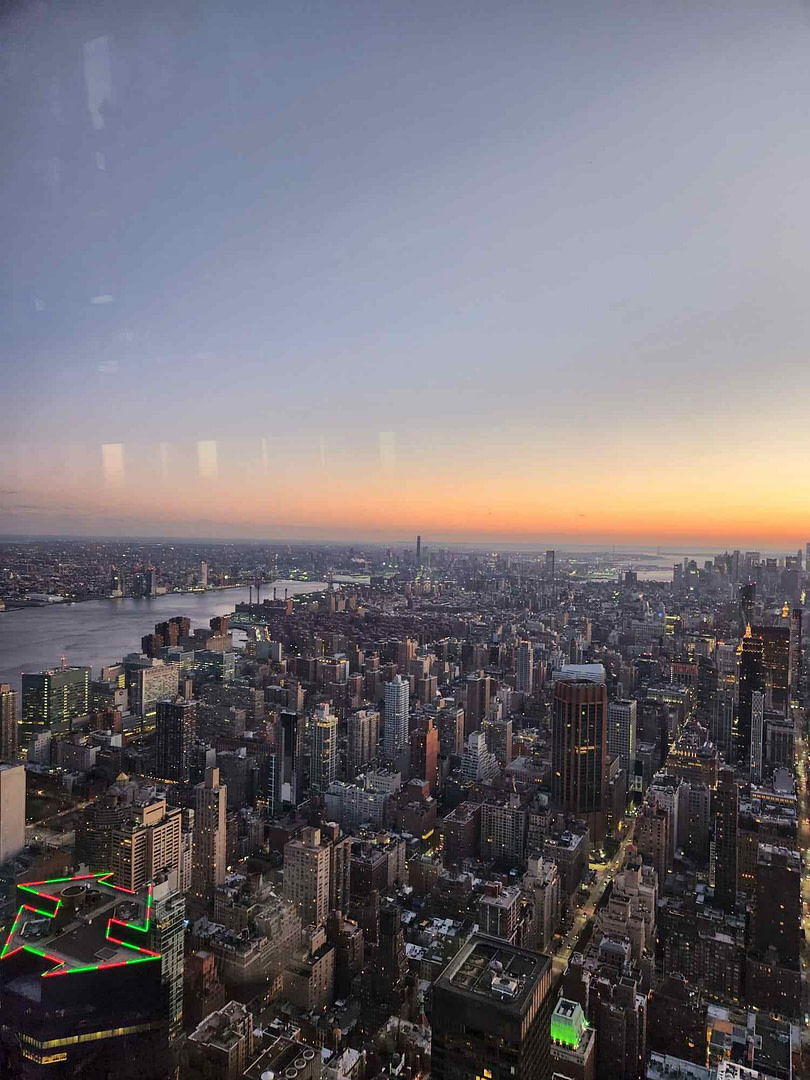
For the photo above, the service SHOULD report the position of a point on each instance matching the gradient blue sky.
(475, 269)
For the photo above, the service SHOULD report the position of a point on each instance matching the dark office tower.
(776, 659)
(175, 728)
(619, 1013)
(52, 699)
(725, 810)
(773, 974)
(750, 680)
(419, 551)
(579, 751)
(550, 565)
(676, 1020)
(81, 989)
(8, 723)
(391, 957)
(477, 704)
(748, 594)
(384, 985)
(778, 905)
(491, 1014)
(289, 767)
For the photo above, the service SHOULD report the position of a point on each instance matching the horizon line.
(679, 546)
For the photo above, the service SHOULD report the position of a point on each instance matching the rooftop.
(284, 1058)
(81, 923)
(489, 969)
(224, 1028)
(667, 1067)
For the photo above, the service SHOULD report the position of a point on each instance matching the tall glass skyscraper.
(52, 699)
(395, 732)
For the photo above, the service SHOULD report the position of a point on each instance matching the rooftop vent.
(504, 986)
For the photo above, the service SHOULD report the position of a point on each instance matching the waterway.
(100, 632)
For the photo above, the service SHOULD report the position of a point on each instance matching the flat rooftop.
(81, 923)
(496, 972)
(284, 1054)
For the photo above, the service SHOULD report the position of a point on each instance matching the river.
(100, 632)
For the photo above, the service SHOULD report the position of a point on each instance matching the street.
(588, 910)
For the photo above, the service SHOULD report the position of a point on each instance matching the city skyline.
(404, 564)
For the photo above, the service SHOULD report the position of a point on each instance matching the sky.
(528, 271)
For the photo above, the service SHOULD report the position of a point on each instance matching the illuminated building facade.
(776, 658)
(53, 699)
(8, 723)
(573, 1042)
(146, 844)
(579, 750)
(323, 757)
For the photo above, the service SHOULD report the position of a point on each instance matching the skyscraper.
(491, 1014)
(52, 699)
(778, 903)
(524, 668)
(363, 733)
(419, 551)
(748, 593)
(750, 679)
(151, 581)
(550, 565)
(757, 735)
(8, 723)
(306, 876)
(425, 753)
(208, 859)
(725, 811)
(118, 585)
(146, 844)
(621, 734)
(579, 750)
(323, 758)
(288, 761)
(572, 1042)
(477, 701)
(80, 985)
(12, 811)
(395, 731)
(776, 660)
(167, 934)
(175, 728)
